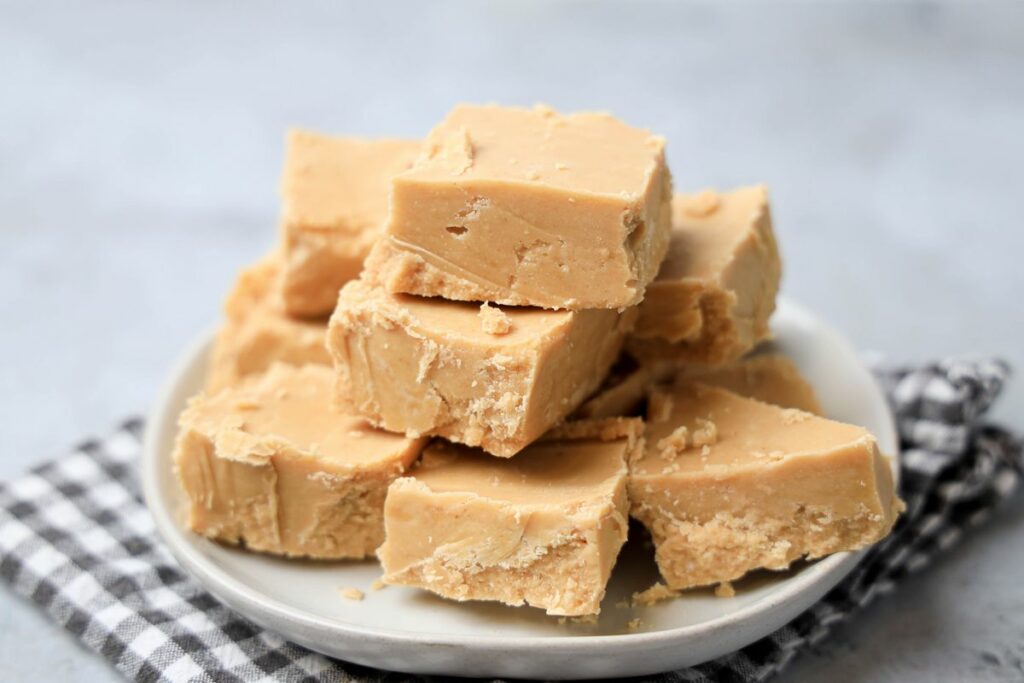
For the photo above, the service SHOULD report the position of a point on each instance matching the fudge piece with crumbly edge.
(729, 484)
(717, 286)
(335, 195)
(494, 377)
(543, 528)
(529, 207)
(268, 464)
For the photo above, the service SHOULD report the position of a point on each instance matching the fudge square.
(768, 376)
(716, 288)
(543, 528)
(335, 193)
(481, 375)
(529, 207)
(729, 484)
(257, 331)
(271, 466)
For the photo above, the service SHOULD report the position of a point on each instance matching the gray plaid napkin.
(76, 539)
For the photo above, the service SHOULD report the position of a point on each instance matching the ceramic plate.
(404, 629)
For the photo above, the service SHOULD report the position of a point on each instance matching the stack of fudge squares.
(475, 357)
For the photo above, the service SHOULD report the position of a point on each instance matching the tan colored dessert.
(623, 390)
(529, 207)
(543, 528)
(486, 376)
(717, 286)
(335, 193)
(258, 332)
(729, 484)
(270, 465)
(770, 377)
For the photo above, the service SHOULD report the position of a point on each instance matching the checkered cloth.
(75, 538)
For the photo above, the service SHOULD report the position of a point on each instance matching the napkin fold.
(77, 540)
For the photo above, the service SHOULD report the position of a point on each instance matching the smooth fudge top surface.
(724, 431)
(555, 471)
(340, 182)
(586, 152)
(292, 404)
(490, 325)
(707, 228)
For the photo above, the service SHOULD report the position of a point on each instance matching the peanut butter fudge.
(335, 193)
(488, 376)
(623, 390)
(529, 207)
(543, 528)
(270, 465)
(766, 376)
(716, 288)
(258, 332)
(769, 377)
(729, 484)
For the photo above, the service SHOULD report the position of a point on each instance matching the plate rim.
(823, 574)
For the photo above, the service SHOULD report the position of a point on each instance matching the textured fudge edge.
(352, 528)
(692, 553)
(470, 427)
(525, 583)
(399, 268)
(720, 331)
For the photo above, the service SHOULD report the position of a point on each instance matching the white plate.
(404, 629)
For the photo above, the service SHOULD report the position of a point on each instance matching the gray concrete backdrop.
(140, 146)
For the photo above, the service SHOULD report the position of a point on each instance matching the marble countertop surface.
(140, 146)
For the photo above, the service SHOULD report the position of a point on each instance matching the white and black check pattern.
(76, 539)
